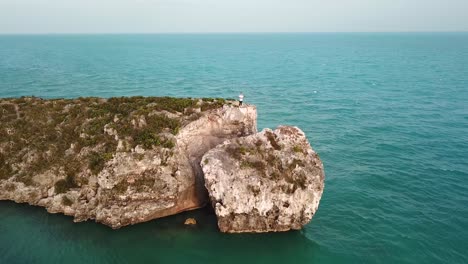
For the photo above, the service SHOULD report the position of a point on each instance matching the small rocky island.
(122, 161)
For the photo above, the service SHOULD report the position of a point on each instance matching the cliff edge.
(122, 161)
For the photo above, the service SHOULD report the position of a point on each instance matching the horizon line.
(221, 33)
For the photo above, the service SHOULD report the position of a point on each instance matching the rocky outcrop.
(119, 161)
(270, 181)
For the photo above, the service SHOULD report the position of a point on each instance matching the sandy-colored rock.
(270, 181)
(190, 221)
(122, 161)
(134, 183)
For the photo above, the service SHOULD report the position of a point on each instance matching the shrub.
(25, 178)
(271, 160)
(61, 186)
(274, 175)
(297, 149)
(147, 139)
(66, 201)
(301, 181)
(72, 168)
(272, 138)
(120, 187)
(143, 182)
(157, 123)
(172, 104)
(97, 161)
(244, 164)
(209, 106)
(96, 126)
(254, 189)
(10, 187)
(242, 150)
(233, 150)
(168, 144)
(296, 163)
(189, 111)
(258, 143)
(5, 169)
(64, 185)
(257, 164)
(221, 100)
(51, 126)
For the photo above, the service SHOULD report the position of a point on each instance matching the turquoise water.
(388, 114)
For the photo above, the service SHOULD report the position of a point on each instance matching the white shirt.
(241, 97)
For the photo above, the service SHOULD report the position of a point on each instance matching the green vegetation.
(242, 150)
(144, 182)
(272, 138)
(98, 160)
(139, 185)
(258, 143)
(233, 150)
(147, 138)
(10, 187)
(25, 178)
(5, 169)
(49, 134)
(64, 185)
(212, 105)
(120, 187)
(158, 123)
(298, 149)
(298, 180)
(255, 164)
(7, 112)
(267, 163)
(66, 201)
(254, 189)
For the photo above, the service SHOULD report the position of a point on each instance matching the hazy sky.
(145, 16)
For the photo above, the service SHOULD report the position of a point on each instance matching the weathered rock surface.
(119, 161)
(270, 181)
(122, 161)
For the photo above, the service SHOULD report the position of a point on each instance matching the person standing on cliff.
(241, 99)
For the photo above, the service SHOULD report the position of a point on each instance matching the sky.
(206, 16)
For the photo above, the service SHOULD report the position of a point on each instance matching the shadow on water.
(39, 237)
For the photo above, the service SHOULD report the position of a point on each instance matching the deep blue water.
(388, 114)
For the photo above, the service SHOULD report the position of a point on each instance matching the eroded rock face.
(269, 181)
(118, 161)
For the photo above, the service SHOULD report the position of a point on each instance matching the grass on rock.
(39, 136)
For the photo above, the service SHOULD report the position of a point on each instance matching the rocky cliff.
(119, 161)
(269, 181)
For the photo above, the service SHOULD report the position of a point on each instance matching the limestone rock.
(119, 161)
(269, 181)
(190, 221)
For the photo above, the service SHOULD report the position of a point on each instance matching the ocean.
(387, 113)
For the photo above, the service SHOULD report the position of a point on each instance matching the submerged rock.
(119, 161)
(270, 181)
(190, 221)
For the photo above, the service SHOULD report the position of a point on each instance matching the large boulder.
(119, 161)
(269, 181)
